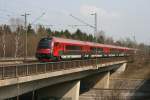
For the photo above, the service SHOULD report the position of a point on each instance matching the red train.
(53, 48)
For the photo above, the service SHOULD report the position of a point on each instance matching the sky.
(117, 18)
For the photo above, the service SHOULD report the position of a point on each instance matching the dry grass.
(139, 69)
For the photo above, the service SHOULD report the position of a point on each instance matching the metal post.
(95, 31)
(33, 93)
(27, 67)
(3, 75)
(16, 71)
(63, 64)
(36, 71)
(96, 34)
(52, 67)
(18, 86)
(25, 25)
(95, 24)
(45, 69)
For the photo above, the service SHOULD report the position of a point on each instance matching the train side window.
(93, 49)
(98, 50)
(113, 50)
(56, 44)
(70, 47)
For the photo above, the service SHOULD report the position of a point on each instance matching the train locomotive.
(55, 49)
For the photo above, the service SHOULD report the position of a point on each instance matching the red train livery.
(53, 48)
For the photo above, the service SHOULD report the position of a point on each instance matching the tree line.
(12, 39)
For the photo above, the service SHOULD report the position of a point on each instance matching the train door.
(106, 51)
(58, 49)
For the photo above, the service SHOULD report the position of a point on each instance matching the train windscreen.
(44, 43)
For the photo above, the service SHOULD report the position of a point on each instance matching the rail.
(13, 71)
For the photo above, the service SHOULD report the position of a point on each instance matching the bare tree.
(100, 33)
(16, 25)
(109, 40)
(101, 37)
(17, 38)
(3, 40)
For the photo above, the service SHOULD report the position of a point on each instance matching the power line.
(2, 17)
(38, 18)
(9, 13)
(6, 11)
(81, 21)
(75, 25)
(55, 25)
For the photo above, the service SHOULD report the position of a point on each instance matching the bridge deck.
(21, 70)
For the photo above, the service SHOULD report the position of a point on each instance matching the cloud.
(86, 10)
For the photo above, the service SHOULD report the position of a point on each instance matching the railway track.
(20, 61)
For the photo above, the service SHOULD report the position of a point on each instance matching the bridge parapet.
(21, 70)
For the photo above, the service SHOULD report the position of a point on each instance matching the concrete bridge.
(61, 80)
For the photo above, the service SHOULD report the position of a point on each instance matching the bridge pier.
(103, 82)
(122, 68)
(99, 81)
(67, 90)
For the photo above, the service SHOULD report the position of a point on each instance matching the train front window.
(44, 43)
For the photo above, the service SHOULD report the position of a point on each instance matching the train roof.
(78, 42)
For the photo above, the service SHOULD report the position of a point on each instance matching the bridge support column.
(103, 82)
(99, 81)
(68, 91)
(121, 68)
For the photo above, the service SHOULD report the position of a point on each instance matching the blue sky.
(118, 18)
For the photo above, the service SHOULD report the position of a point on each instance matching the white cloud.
(86, 10)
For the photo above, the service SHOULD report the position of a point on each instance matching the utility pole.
(26, 40)
(95, 33)
(95, 24)
(134, 37)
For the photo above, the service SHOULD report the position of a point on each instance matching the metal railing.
(12, 71)
(4, 59)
